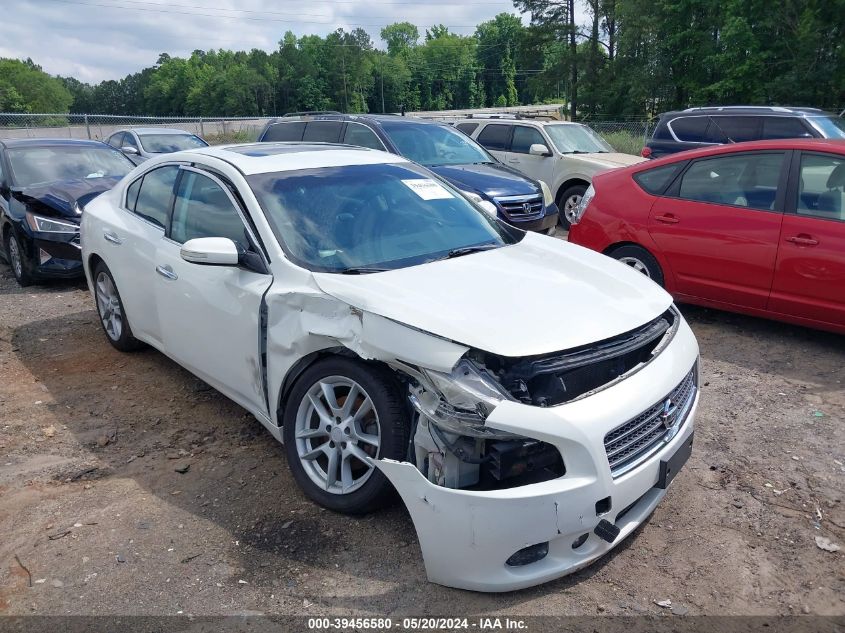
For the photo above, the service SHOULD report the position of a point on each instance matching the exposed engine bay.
(452, 446)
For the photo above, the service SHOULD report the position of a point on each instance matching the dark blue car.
(44, 183)
(518, 200)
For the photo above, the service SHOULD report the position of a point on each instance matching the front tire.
(568, 203)
(111, 312)
(340, 416)
(640, 260)
(17, 260)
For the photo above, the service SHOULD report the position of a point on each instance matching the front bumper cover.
(466, 536)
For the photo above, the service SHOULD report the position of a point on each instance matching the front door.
(210, 315)
(519, 157)
(810, 271)
(718, 227)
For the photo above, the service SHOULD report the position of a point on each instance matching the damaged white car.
(395, 336)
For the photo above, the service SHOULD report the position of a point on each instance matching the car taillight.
(646, 152)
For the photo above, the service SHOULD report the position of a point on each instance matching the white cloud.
(94, 40)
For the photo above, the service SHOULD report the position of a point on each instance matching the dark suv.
(520, 201)
(700, 127)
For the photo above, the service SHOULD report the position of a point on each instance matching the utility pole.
(381, 69)
(345, 97)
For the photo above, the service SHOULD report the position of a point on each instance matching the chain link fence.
(100, 126)
(624, 136)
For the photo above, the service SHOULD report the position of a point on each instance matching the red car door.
(718, 226)
(810, 271)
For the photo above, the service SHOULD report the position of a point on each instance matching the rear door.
(810, 271)
(519, 157)
(718, 227)
(496, 139)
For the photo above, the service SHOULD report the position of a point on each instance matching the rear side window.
(495, 137)
(655, 180)
(524, 137)
(361, 136)
(322, 131)
(467, 128)
(726, 129)
(285, 131)
(784, 127)
(155, 196)
(692, 129)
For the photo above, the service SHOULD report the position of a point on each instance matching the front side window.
(203, 209)
(434, 145)
(821, 190)
(495, 137)
(364, 217)
(744, 180)
(467, 128)
(116, 140)
(129, 141)
(155, 196)
(285, 132)
(361, 136)
(784, 127)
(41, 165)
(576, 139)
(524, 137)
(167, 143)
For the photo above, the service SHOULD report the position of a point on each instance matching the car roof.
(261, 158)
(517, 120)
(154, 130)
(377, 119)
(749, 110)
(836, 146)
(49, 142)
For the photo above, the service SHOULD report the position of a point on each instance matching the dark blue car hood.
(59, 198)
(489, 179)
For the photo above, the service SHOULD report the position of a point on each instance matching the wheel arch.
(572, 181)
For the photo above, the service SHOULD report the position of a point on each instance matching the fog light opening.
(603, 506)
(580, 540)
(528, 555)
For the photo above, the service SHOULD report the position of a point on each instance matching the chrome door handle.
(167, 272)
(112, 237)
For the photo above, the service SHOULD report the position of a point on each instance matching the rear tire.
(17, 260)
(111, 311)
(640, 260)
(331, 441)
(568, 202)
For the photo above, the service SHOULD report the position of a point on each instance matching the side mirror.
(128, 149)
(538, 149)
(215, 251)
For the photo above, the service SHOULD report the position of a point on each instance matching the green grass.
(232, 136)
(624, 142)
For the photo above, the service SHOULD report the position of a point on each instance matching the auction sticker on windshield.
(427, 189)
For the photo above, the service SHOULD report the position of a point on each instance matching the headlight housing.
(582, 206)
(50, 225)
(548, 198)
(459, 402)
(486, 205)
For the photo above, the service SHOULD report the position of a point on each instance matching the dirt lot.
(128, 486)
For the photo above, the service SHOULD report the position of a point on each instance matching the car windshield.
(435, 145)
(571, 139)
(830, 126)
(166, 143)
(368, 218)
(41, 165)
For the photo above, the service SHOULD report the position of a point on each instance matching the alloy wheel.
(108, 305)
(337, 434)
(15, 257)
(636, 264)
(570, 206)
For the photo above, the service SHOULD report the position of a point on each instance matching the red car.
(754, 227)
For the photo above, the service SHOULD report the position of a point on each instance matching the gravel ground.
(127, 486)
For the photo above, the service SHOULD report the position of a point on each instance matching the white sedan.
(394, 336)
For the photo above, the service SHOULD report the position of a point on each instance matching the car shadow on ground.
(141, 416)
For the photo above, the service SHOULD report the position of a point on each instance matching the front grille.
(519, 207)
(633, 442)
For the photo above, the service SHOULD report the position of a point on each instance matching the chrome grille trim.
(630, 444)
(514, 206)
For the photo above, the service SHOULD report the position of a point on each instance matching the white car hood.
(608, 160)
(539, 296)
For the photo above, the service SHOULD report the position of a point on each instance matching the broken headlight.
(459, 402)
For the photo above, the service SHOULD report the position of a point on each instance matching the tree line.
(633, 58)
